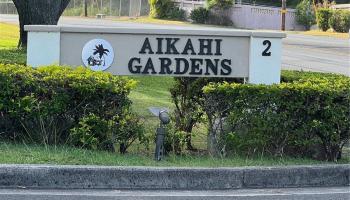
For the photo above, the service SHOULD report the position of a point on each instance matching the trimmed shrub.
(176, 14)
(92, 132)
(322, 17)
(129, 128)
(47, 104)
(166, 9)
(200, 15)
(305, 14)
(308, 116)
(340, 21)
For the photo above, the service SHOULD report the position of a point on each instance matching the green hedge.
(322, 18)
(200, 15)
(340, 21)
(307, 115)
(47, 104)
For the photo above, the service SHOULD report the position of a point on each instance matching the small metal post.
(159, 151)
(161, 131)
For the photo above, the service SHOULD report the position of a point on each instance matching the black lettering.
(226, 65)
(165, 66)
(134, 69)
(210, 64)
(188, 47)
(160, 45)
(146, 46)
(195, 66)
(218, 47)
(205, 47)
(266, 52)
(178, 66)
(149, 66)
(170, 45)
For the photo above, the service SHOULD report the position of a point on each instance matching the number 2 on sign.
(267, 52)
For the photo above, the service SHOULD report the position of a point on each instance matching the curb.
(101, 177)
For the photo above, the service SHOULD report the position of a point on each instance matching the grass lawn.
(149, 20)
(9, 53)
(327, 34)
(33, 154)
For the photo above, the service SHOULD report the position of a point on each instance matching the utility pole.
(283, 12)
(85, 8)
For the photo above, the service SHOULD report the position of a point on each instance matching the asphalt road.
(300, 52)
(340, 193)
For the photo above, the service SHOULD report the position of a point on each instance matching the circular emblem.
(97, 55)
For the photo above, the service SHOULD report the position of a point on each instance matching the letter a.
(146, 45)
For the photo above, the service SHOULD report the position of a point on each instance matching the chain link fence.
(7, 7)
(130, 8)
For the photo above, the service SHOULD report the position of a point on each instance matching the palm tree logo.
(100, 59)
(97, 54)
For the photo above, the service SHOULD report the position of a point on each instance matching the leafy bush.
(176, 14)
(187, 95)
(175, 139)
(340, 21)
(305, 14)
(307, 116)
(322, 17)
(128, 128)
(220, 4)
(200, 15)
(92, 132)
(42, 105)
(165, 9)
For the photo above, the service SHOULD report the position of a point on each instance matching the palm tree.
(101, 52)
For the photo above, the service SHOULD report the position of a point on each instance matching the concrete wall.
(251, 17)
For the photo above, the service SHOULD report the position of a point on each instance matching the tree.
(305, 14)
(186, 95)
(39, 12)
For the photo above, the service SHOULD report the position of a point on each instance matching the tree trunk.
(38, 12)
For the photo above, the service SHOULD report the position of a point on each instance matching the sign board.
(197, 52)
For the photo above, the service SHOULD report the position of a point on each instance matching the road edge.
(103, 177)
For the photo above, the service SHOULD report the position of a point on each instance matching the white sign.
(98, 55)
(192, 52)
